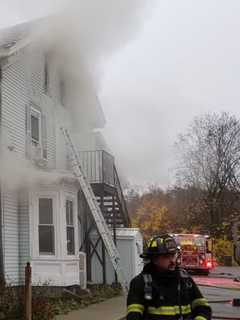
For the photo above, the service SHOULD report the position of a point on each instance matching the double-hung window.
(70, 227)
(46, 231)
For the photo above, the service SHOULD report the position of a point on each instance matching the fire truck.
(196, 252)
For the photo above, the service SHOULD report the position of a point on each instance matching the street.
(219, 286)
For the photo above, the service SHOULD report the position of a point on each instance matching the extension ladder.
(95, 210)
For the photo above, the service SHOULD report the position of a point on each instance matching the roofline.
(5, 53)
(21, 43)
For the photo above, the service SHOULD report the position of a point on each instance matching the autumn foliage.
(179, 210)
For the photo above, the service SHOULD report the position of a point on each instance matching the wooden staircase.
(103, 177)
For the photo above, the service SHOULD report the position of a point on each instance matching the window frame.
(34, 223)
(51, 225)
(73, 198)
(72, 226)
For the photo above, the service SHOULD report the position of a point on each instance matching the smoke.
(87, 33)
(16, 172)
(80, 35)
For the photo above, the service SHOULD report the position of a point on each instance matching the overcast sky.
(186, 61)
(182, 61)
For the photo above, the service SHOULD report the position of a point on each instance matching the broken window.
(70, 228)
(46, 227)
(35, 126)
(46, 76)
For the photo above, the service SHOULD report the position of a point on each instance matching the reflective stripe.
(199, 302)
(200, 318)
(153, 244)
(169, 310)
(135, 308)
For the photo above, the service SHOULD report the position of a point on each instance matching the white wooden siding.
(36, 59)
(20, 87)
(24, 235)
(22, 84)
(11, 236)
(14, 99)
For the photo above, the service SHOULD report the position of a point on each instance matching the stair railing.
(121, 196)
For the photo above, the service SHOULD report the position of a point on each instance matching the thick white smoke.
(83, 33)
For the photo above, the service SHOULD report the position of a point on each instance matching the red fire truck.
(196, 252)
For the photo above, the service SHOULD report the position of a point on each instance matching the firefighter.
(163, 290)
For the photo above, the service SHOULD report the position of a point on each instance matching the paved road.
(115, 309)
(221, 279)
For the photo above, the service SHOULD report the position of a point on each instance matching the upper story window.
(35, 126)
(36, 133)
(70, 228)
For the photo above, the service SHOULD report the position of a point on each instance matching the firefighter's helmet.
(160, 245)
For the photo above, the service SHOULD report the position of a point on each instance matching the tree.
(152, 219)
(209, 161)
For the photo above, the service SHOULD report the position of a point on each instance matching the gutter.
(1, 216)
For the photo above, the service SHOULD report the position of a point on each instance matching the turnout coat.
(174, 296)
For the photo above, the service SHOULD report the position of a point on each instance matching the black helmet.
(160, 245)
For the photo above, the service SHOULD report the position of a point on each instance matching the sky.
(182, 60)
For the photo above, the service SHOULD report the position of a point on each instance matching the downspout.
(1, 216)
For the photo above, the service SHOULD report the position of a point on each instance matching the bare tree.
(209, 158)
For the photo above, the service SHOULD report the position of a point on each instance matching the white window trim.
(73, 198)
(34, 112)
(35, 223)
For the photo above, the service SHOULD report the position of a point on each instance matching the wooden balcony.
(98, 166)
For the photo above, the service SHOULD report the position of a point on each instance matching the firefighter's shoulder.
(138, 280)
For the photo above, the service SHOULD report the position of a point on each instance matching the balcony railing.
(98, 166)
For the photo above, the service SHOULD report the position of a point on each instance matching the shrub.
(45, 306)
(222, 248)
(10, 305)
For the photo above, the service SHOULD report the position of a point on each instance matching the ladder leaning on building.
(95, 210)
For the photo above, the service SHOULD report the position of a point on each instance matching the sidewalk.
(111, 309)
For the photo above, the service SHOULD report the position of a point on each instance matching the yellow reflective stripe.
(200, 318)
(169, 310)
(153, 244)
(199, 302)
(135, 308)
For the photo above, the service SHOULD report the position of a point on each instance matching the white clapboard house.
(44, 218)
